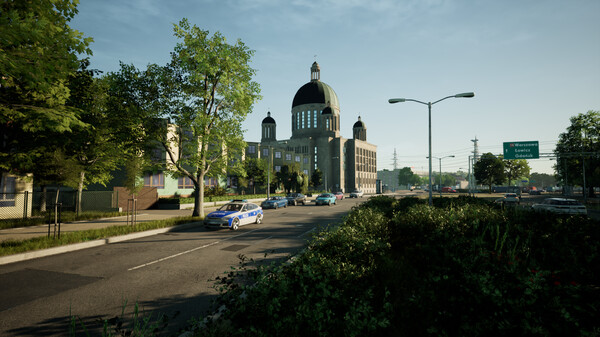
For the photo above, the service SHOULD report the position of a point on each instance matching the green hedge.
(401, 268)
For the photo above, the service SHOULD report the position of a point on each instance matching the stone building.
(316, 142)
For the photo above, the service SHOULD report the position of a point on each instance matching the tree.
(316, 179)
(206, 92)
(39, 53)
(407, 177)
(515, 168)
(96, 148)
(291, 177)
(489, 170)
(256, 171)
(579, 148)
(542, 180)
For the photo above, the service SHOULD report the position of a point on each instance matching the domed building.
(347, 164)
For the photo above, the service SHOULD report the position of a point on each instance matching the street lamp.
(440, 182)
(429, 104)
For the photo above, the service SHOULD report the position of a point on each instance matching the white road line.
(312, 230)
(191, 250)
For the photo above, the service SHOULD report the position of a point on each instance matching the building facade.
(316, 142)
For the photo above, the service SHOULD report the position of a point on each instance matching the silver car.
(560, 206)
(356, 194)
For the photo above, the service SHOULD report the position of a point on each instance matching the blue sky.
(532, 64)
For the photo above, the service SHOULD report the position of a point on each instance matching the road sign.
(522, 150)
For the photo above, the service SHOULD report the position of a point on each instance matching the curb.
(90, 244)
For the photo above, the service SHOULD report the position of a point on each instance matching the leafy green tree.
(206, 91)
(39, 53)
(515, 168)
(316, 178)
(256, 171)
(489, 170)
(541, 179)
(291, 178)
(579, 147)
(407, 177)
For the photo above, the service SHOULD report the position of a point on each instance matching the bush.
(400, 267)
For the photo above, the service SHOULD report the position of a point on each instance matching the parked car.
(356, 194)
(560, 206)
(274, 202)
(509, 199)
(339, 195)
(235, 214)
(448, 190)
(326, 199)
(296, 198)
(535, 192)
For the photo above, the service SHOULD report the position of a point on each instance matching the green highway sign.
(522, 150)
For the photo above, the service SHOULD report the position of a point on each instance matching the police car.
(235, 214)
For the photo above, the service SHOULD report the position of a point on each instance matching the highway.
(169, 274)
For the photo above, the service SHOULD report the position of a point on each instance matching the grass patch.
(21, 246)
(42, 218)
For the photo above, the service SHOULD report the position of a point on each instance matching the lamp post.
(440, 182)
(429, 104)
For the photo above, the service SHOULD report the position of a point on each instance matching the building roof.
(315, 92)
(268, 119)
(359, 123)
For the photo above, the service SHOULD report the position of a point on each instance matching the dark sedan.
(296, 198)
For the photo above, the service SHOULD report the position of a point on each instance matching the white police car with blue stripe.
(235, 214)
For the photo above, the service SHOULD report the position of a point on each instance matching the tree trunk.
(80, 191)
(199, 196)
(43, 199)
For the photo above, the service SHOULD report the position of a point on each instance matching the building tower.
(268, 129)
(359, 130)
(395, 160)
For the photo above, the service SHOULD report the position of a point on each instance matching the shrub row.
(399, 267)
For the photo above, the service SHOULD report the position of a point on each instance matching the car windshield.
(274, 198)
(324, 195)
(231, 207)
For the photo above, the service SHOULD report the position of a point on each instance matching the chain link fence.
(27, 204)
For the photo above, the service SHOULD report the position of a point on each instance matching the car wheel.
(295, 203)
(276, 206)
(235, 224)
(259, 218)
(329, 203)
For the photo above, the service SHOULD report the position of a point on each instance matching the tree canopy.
(407, 177)
(579, 148)
(39, 53)
(515, 168)
(489, 170)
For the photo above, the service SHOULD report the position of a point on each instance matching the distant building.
(347, 164)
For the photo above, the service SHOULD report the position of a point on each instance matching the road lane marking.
(311, 230)
(191, 250)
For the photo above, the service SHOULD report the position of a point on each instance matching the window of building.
(211, 182)
(185, 182)
(308, 119)
(288, 156)
(251, 148)
(8, 190)
(315, 118)
(327, 123)
(305, 172)
(154, 180)
(277, 168)
(265, 152)
(277, 154)
(297, 159)
(305, 160)
(315, 157)
(297, 120)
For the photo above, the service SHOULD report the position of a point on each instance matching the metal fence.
(27, 204)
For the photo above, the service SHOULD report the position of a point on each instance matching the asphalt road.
(171, 273)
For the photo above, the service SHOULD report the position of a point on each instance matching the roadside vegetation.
(21, 246)
(40, 218)
(401, 268)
